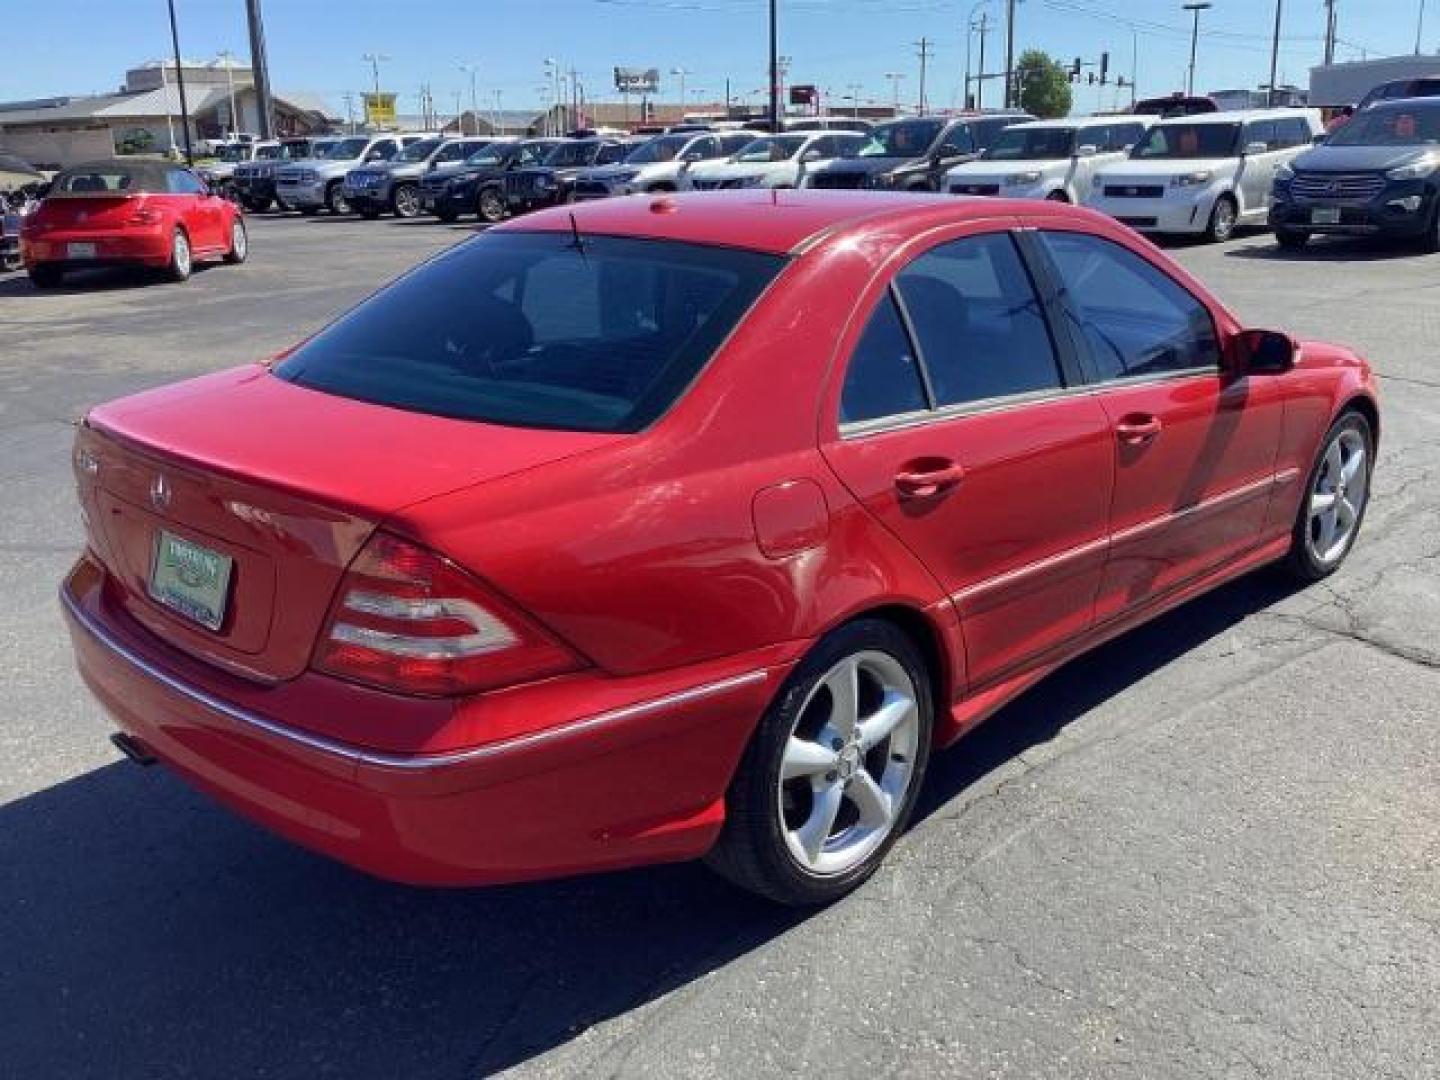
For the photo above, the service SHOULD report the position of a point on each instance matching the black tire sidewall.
(752, 797)
(1302, 564)
(1211, 232)
(174, 270)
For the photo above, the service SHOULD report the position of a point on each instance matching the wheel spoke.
(805, 758)
(1352, 468)
(1322, 502)
(816, 830)
(1333, 463)
(1329, 521)
(874, 729)
(844, 686)
(870, 800)
(1345, 515)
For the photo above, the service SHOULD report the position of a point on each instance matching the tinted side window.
(182, 182)
(958, 141)
(1262, 131)
(1294, 132)
(453, 152)
(1124, 135)
(609, 155)
(884, 377)
(1135, 320)
(978, 321)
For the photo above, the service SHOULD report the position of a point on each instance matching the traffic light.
(1075, 70)
(1104, 68)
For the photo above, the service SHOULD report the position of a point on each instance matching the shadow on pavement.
(148, 933)
(1329, 249)
(105, 279)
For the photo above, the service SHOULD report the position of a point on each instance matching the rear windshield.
(529, 330)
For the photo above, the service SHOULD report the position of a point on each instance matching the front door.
(961, 431)
(1194, 448)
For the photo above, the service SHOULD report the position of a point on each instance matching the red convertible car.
(130, 213)
(647, 530)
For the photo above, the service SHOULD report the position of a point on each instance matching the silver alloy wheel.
(407, 201)
(182, 254)
(239, 241)
(849, 763)
(1337, 499)
(338, 203)
(1225, 216)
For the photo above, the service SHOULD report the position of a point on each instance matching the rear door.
(963, 429)
(1194, 449)
(200, 211)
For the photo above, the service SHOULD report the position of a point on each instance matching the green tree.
(1044, 85)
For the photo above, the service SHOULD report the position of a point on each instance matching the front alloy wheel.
(491, 205)
(1335, 501)
(406, 200)
(832, 772)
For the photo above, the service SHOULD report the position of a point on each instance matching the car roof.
(1081, 122)
(1240, 116)
(1424, 102)
(777, 222)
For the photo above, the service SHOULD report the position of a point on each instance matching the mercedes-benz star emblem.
(160, 493)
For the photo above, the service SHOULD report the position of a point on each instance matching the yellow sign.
(380, 110)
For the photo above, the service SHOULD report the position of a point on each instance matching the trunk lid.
(89, 212)
(285, 482)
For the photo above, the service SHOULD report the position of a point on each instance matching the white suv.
(662, 164)
(1048, 159)
(1204, 174)
(776, 161)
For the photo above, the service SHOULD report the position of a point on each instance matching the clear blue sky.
(81, 46)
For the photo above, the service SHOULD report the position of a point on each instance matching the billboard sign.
(637, 80)
(380, 110)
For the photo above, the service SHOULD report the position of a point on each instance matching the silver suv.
(317, 182)
(394, 185)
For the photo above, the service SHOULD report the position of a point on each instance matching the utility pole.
(1194, 10)
(681, 72)
(1420, 28)
(774, 66)
(349, 98)
(1275, 54)
(980, 77)
(1330, 28)
(180, 81)
(924, 50)
(895, 77)
(374, 61)
(574, 98)
(969, 35)
(260, 71)
(1009, 53)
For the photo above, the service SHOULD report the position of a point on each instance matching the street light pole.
(681, 72)
(1275, 54)
(229, 58)
(774, 66)
(1420, 28)
(895, 77)
(1194, 10)
(1009, 52)
(969, 35)
(180, 81)
(472, 70)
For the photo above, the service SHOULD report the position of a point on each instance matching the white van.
(1048, 159)
(1205, 174)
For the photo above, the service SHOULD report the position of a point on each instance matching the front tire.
(1223, 219)
(239, 243)
(1337, 494)
(405, 201)
(335, 200)
(831, 775)
(490, 205)
(182, 259)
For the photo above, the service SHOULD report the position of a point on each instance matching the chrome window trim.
(378, 758)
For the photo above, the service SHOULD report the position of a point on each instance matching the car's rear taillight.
(143, 215)
(409, 620)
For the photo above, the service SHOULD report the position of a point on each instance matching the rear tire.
(1292, 239)
(796, 828)
(182, 259)
(1337, 494)
(1223, 219)
(46, 277)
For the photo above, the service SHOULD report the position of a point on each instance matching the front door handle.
(1137, 429)
(928, 477)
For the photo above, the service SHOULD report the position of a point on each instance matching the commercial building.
(143, 116)
(1346, 84)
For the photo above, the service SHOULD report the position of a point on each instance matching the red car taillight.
(409, 620)
(143, 217)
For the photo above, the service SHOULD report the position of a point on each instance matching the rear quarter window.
(529, 330)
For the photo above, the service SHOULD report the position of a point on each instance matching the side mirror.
(1263, 352)
(1256, 148)
(1088, 150)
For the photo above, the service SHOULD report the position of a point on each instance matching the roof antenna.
(578, 242)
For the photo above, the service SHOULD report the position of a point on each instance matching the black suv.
(477, 184)
(914, 154)
(1377, 175)
(553, 182)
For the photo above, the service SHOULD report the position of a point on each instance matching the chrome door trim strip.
(381, 759)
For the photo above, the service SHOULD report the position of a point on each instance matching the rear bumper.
(145, 248)
(604, 788)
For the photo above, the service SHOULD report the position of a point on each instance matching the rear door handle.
(1138, 429)
(928, 477)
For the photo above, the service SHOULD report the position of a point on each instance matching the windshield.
(532, 330)
(904, 138)
(1180, 141)
(568, 155)
(343, 150)
(272, 153)
(1033, 144)
(662, 149)
(774, 148)
(419, 151)
(1418, 126)
(234, 152)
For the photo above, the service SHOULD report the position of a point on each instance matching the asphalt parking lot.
(1210, 849)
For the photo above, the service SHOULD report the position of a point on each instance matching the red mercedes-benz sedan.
(648, 530)
(129, 213)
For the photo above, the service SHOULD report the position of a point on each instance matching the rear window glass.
(528, 330)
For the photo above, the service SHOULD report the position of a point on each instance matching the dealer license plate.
(80, 251)
(191, 579)
(1325, 215)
